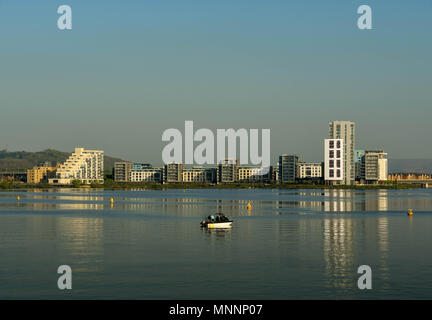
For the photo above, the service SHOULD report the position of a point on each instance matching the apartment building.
(173, 172)
(84, 165)
(345, 130)
(309, 171)
(334, 161)
(254, 174)
(288, 168)
(40, 173)
(227, 171)
(374, 166)
(195, 174)
(146, 173)
(122, 171)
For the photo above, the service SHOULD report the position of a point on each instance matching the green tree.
(76, 183)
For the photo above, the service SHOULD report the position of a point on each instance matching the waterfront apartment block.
(227, 171)
(255, 174)
(195, 174)
(309, 171)
(374, 166)
(288, 168)
(173, 173)
(84, 165)
(345, 130)
(334, 161)
(146, 173)
(122, 171)
(40, 174)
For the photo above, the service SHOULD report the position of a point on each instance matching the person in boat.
(223, 218)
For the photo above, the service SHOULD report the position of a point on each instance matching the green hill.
(26, 160)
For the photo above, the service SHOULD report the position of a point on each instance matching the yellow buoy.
(112, 200)
(18, 198)
(249, 206)
(410, 212)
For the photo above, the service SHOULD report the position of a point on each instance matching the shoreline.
(111, 185)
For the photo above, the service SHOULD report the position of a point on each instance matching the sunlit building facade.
(87, 166)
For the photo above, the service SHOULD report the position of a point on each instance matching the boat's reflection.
(217, 234)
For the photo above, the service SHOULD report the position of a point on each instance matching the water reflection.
(339, 251)
(82, 239)
(347, 241)
(230, 202)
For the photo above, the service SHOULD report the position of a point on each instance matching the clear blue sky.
(130, 69)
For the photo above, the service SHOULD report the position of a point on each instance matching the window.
(331, 144)
(338, 144)
(338, 163)
(331, 173)
(338, 154)
(338, 173)
(331, 154)
(331, 163)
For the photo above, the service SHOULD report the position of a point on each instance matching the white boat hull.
(218, 225)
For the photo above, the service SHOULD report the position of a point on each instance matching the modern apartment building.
(195, 174)
(40, 173)
(173, 172)
(334, 161)
(374, 166)
(288, 168)
(345, 130)
(312, 171)
(145, 173)
(227, 171)
(122, 171)
(254, 174)
(84, 165)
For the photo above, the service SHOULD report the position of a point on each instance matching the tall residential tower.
(345, 130)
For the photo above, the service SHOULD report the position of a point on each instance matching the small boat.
(218, 221)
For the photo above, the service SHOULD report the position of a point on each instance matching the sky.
(128, 70)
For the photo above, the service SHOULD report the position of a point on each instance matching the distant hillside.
(410, 165)
(25, 160)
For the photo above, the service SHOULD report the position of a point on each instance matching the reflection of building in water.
(186, 206)
(82, 239)
(338, 200)
(339, 251)
(379, 202)
(383, 247)
(348, 200)
(348, 241)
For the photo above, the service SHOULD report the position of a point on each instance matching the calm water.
(293, 244)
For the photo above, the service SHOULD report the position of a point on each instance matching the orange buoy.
(249, 206)
(410, 212)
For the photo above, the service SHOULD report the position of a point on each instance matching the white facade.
(84, 165)
(145, 175)
(253, 174)
(334, 160)
(309, 170)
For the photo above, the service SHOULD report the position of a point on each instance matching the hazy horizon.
(129, 70)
